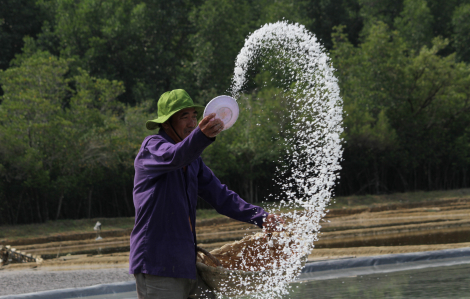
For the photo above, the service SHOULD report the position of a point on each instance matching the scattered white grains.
(314, 150)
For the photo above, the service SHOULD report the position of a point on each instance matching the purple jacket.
(165, 196)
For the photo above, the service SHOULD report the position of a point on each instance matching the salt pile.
(314, 153)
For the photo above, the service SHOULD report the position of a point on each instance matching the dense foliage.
(80, 78)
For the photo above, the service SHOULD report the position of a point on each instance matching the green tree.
(141, 43)
(18, 18)
(415, 24)
(324, 15)
(220, 31)
(442, 12)
(51, 134)
(379, 10)
(461, 25)
(424, 98)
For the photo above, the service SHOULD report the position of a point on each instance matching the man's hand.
(211, 126)
(273, 224)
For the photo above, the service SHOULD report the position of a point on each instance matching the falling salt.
(314, 149)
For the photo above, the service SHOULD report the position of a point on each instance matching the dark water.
(433, 282)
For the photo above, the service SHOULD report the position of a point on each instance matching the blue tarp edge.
(385, 259)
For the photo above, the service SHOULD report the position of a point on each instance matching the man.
(169, 177)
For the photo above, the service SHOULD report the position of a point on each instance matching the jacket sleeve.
(225, 201)
(160, 156)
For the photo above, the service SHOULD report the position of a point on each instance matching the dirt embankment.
(386, 229)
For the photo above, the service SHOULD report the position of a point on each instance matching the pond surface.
(444, 278)
(433, 282)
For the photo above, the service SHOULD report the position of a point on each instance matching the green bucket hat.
(171, 102)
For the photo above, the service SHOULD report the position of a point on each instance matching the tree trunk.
(78, 209)
(403, 180)
(15, 221)
(46, 210)
(61, 198)
(131, 212)
(99, 206)
(251, 190)
(447, 182)
(37, 207)
(376, 178)
(464, 178)
(429, 177)
(117, 210)
(30, 205)
(90, 192)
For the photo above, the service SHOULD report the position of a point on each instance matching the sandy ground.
(28, 281)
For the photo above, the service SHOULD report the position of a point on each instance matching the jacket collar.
(166, 136)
